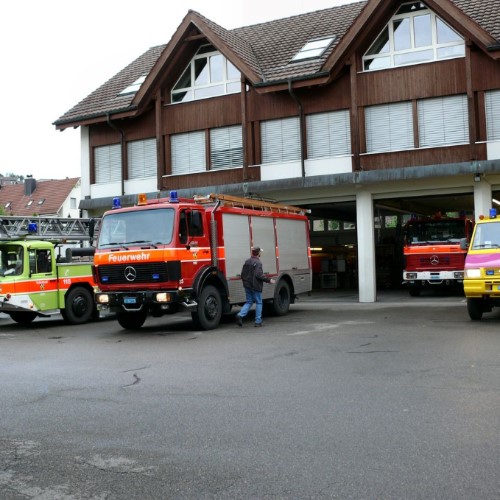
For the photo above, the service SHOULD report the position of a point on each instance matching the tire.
(23, 318)
(281, 301)
(209, 312)
(414, 291)
(79, 306)
(131, 321)
(475, 308)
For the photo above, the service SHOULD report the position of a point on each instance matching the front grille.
(151, 272)
(450, 261)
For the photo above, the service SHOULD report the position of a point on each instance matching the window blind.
(108, 164)
(328, 134)
(280, 140)
(141, 159)
(188, 153)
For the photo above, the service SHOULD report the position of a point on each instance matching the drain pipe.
(122, 146)
(301, 126)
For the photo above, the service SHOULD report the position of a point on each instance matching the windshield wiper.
(144, 242)
(113, 244)
(487, 245)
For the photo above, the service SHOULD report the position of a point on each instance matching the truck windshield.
(487, 236)
(11, 260)
(422, 232)
(141, 227)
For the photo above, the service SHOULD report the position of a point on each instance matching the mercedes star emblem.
(434, 260)
(130, 273)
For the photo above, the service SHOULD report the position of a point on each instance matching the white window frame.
(443, 121)
(142, 159)
(194, 92)
(328, 134)
(108, 164)
(388, 59)
(280, 140)
(389, 127)
(188, 153)
(226, 147)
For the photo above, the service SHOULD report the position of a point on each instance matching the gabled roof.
(53, 192)
(263, 52)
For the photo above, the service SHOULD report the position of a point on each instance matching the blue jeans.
(252, 296)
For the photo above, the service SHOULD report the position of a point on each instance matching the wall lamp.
(477, 177)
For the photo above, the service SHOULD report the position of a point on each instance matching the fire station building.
(364, 113)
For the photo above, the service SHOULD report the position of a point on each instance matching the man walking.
(253, 280)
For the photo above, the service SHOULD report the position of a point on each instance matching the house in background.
(58, 198)
(364, 113)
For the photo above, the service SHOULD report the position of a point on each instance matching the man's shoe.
(239, 321)
(258, 325)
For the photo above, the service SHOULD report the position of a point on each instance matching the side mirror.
(464, 244)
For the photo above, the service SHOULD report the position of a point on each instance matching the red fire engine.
(167, 255)
(432, 252)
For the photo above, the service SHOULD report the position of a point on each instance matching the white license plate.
(129, 300)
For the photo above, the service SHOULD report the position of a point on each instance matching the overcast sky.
(56, 52)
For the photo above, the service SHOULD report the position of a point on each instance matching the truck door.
(193, 235)
(44, 285)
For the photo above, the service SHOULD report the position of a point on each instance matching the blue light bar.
(493, 213)
(116, 203)
(32, 227)
(173, 197)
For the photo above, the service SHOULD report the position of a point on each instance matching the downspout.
(122, 146)
(301, 122)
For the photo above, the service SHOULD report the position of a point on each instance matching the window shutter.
(389, 127)
(280, 140)
(492, 104)
(108, 164)
(443, 121)
(141, 159)
(188, 153)
(226, 147)
(328, 134)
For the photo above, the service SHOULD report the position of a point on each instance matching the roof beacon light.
(32, 227)
(116, 203)
(493, 213)
(142, 199)
(173, 197)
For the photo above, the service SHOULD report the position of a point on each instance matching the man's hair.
(256, 251)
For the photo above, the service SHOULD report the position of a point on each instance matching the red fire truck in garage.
(167, 255)
(433, 256)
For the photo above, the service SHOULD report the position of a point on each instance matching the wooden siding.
(199, 115)
(420, 157)
(412, 82)
(217, 177)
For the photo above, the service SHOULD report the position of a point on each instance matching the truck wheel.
(414, 291)
(79, 306)
(23, 318)
(281, 301)
(475, 309)
(209, 312)
(131, 321)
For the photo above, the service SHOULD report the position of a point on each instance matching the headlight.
(163, 297)
(102, 298)
(473, 273)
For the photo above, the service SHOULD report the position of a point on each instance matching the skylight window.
(41, 201)
(414, 35)
(134, 87)
(313, 49)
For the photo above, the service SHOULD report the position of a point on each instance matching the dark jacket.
(252, 275)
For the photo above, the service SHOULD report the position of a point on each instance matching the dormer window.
(134, 87)
(313, 49)
(414, 35)
(209, 74)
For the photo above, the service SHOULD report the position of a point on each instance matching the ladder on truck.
(252, 203)
(47, 228)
